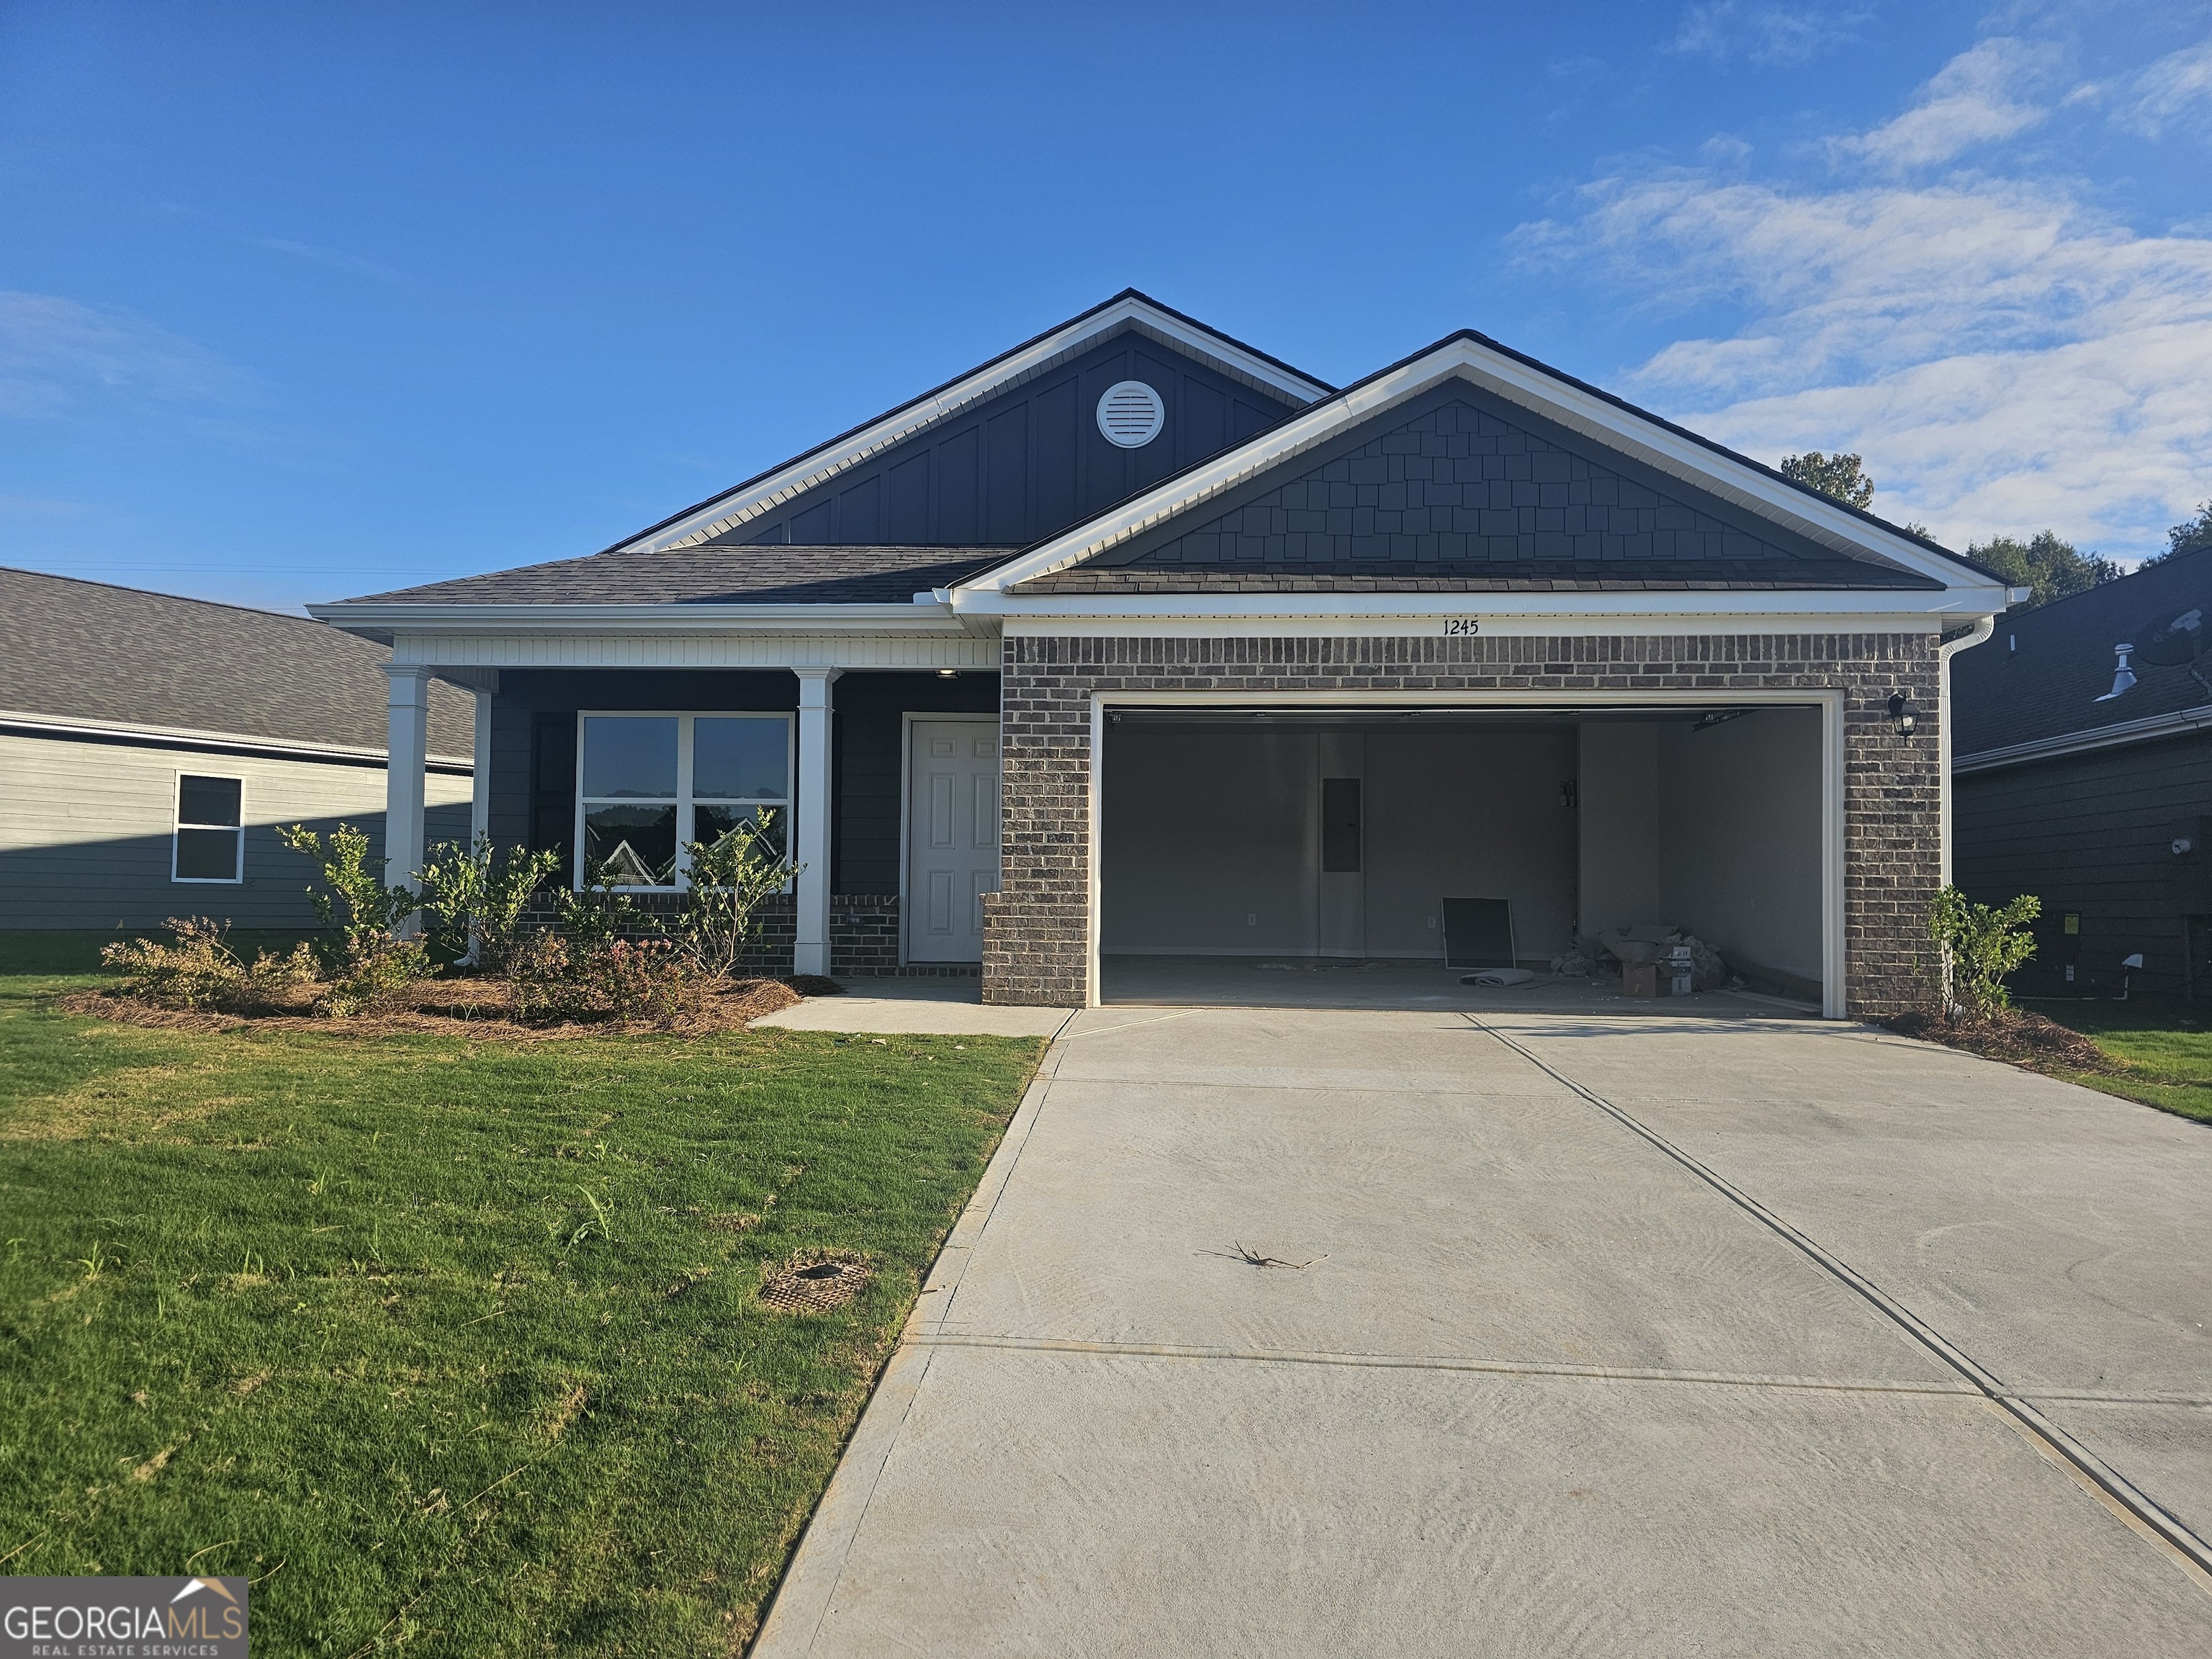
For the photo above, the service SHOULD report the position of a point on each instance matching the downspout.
(1977, 634)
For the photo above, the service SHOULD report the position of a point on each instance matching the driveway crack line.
(1439, 1363)
(2146, 1518)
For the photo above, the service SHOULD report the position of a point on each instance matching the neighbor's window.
(647, 783)
(210, 844)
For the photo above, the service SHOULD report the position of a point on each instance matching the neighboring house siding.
(2093, 834)
(86, 828)
(1026, 463)
(1036, 928)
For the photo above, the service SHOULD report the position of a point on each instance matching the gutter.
(2150, 729)
(1977, 634)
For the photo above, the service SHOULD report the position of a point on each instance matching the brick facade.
(1035, 937)
(864, 930)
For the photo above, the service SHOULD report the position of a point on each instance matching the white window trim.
(686, 804)
(177, 823)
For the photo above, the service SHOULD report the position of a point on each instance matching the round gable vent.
(1130, 413)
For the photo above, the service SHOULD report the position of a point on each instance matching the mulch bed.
(2012, 1035)
(459, 1006)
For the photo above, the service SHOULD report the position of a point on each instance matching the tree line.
(2046, 564)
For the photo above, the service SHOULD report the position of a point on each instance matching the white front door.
(951, 837)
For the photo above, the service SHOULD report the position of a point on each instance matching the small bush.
(353, 902)
(199, 970)
(1978, 945)
(375, 977)
(474, 899)
(632, 981)
(730, 879)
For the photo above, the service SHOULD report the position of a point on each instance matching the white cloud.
(1979, 96)
(2177, 87)
(1766, 34)
(2005, 355)
(58, 354)
(352, 264)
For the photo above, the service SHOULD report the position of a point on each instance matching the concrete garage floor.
(1537, 1384)
(1307, 983)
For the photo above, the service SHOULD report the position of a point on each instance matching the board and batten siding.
(86, 827)
(2093, 834)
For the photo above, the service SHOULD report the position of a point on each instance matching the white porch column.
(480, 794)
(812, 826)
(405, 750)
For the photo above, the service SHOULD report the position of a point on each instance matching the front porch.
(885, 780)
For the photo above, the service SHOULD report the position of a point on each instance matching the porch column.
(480, 794)
(812, 846)
(405, 751)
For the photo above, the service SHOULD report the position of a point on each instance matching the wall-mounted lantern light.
(1902, 711)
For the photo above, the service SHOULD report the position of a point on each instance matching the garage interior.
(1245, 850)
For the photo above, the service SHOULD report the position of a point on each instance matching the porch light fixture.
(948, 673)
(1902, 711)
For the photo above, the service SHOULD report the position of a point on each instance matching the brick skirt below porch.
(864, 933)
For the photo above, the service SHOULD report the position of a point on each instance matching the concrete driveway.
(1636, 1336)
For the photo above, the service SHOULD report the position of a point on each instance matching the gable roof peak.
(1131, 308)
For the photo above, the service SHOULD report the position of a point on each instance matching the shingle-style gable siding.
(1457, 486)
(1027, 463)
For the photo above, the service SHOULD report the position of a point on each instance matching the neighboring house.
(150, 746)
(2083, 774)
(1136, 641)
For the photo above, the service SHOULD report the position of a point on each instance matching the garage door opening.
(1306, 855)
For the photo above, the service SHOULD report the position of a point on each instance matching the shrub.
(634, 982)
(199, 970)
(379, 973)
(474, 899)
(1978, 945)
(730, 879)
(353, 901)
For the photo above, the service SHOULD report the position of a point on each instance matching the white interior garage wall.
(1211, 840)
(1469, 815)
(1716, 831)
(1740, 804)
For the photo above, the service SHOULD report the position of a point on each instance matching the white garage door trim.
(1833, 1000)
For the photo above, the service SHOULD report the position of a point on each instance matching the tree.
(2047, 567)
(1839, 478)
(2193, 536)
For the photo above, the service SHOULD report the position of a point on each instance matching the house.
(2083, 774)
(150, 746)
(1137, 642)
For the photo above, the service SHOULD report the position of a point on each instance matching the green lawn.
(2163, 1047)
(453, 1345)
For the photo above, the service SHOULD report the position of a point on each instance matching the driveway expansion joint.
(2148, 1518)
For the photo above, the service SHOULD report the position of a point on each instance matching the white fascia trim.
(1570, 406)
(876, 619)
(1926, 610)
(779, 487)
(2146, 730)
(65, 726)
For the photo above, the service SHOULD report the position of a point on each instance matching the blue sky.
(299, 302)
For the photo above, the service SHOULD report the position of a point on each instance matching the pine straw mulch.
(460, 1006)
(2012, 1035)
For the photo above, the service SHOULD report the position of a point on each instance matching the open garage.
(1299, 838)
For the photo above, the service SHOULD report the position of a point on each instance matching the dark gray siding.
(1028, 462)
(533, 747)
(1458, 479)
(870, 765)
(2093, 834)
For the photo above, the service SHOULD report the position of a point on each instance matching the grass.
(2162, 1047)
(452, 1346)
